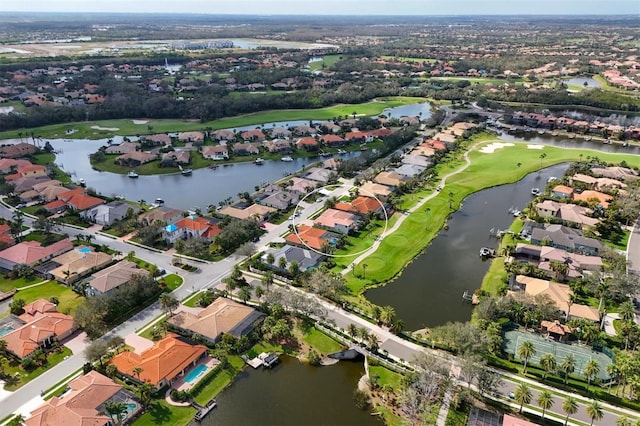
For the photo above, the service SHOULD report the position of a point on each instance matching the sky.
(334, 7)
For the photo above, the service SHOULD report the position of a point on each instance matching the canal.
(293, 393)
(429, 291)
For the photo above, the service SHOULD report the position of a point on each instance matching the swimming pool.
(6, 330)
(84, 250)
(131, 407)
(195, 373)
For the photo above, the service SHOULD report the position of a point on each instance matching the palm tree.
(374, 342)
(525, 352)
(590, 371)
(542, 157)
(145, 390)
(168, 303)
(137, 370)
(244, 294)
(594, 411)
(115, 410)
(568, 365)
(363, 332)
(624, 421)
(545, 401)
(522, 395)
(627, 311)
(569, 406)
(548, 363)
(352, 329)
(388, 315)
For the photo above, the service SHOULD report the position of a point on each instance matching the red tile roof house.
(333, 141)
(84, 403)
(161, 364)
(6, 238)
(562, 191)
(32, 170)
(31, 252)
(361, 205)
(253, 135)
(78, 199)
(17, 150)
(341, 221)
(245, 148)
(42, 326)
(7, 165)
(223, 135)
(315, 238)
(308, 144)
(190, 227)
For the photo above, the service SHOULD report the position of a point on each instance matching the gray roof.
(306, 258)
(564, 236)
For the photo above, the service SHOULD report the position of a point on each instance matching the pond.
(580, 81)
(429, 291)
(293, 393)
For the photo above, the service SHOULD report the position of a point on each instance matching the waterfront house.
(175, 158)
(361, 205)
(160, 139)
(223, 316)
(136, 158)
(17, 150)
(193, 137)
(31, 252)
(282, 146)
(84, 403)
(32, 170)
(315, 238)
(301, 185)
(623, 174)
(559, 294)
(562, 191)
(570, 213)
(217, 152)
(40, 326)
(255, 135)
(190, 227)
(389, 179)
(107, 214)
(305, 258)
(123, 148)
(223, 135)
(77, 199)
(162, 214)
(114, 276)
(319, 174)
(594, 198)
(253, 212)
(543, 257)
(308, 144)
(280, 200)
(372, 189)
(565, 238)
(586, 180)
(333, 141)
(251, 148)
(162, 363)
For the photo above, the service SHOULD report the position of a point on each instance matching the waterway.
(429, 291)
(293, 394)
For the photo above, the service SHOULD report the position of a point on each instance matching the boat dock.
(470, 297)
(265, 359)
(203, 410)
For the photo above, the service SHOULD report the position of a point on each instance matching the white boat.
(486, 252)
(186, 172)
(287, 159)
(133, 174)
(259, 161)
(342, 151)
(159, 201)
(535, 191)
(516, 213)
(82, 182)
(551, 179)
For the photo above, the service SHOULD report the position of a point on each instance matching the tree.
(387, 315)
(624, 421)
(16, 306)
(488, 381)
(569, 406)
(545, 401)
(525, 352)
(17, 420)
(568, 365)
(594, 411)
(548, 364)
(96, 351)
(522, 395)
(145, 390)
(168, 303)
(591, 370)
(244, 294)
(267, 279)
(16, 224)
(116, 411)
(542, 157)
(627, 311)
(352, 329)
(111, 371)
(137, 370)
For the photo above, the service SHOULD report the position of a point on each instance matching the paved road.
(633, 250)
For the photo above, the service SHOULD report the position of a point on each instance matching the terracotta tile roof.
(83, 202)
(212, 232)
(313, 237)
(603, 199)
(29, 252)
(332, 218)
(7, 163)
(556, 327)
(195, 224)
(77, 263)
(163, 361)
(307, 142)
(36, 308)
(221, 316)
(31, 168)
(563, 189)
(28, 338)
(79, 406)
(54, 205)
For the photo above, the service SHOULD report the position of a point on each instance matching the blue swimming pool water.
(131, 407)
(193, 374)
(5, 331)
(84, 250)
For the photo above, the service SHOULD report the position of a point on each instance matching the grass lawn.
(7, 284)
(321, 342)
(192, 300)
(173, 281)
(52, 360)
(386, 377)
(221, 380)
(127, 127)
(390, 418)
(486, 170)
(326, 62)
(68, 299)
(622, 244)
(161, 413)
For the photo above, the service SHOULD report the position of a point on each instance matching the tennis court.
(513, 340)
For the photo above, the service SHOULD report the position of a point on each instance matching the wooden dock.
(203, 410)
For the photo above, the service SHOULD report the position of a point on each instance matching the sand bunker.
(107, 129)
(535, 146)
(140, 121)
(492, 147)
